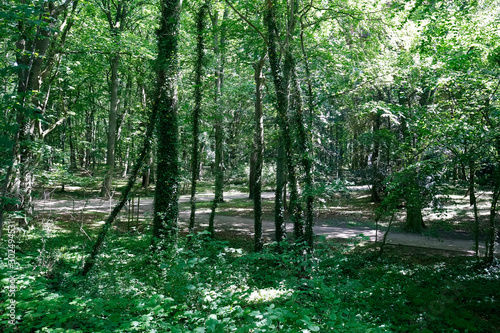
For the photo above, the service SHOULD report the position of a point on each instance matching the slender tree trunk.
(492, 230)
(5, 185)
(384, 240)
(219, 50)
(473, 202)
(251, 175)
(279, 209)
(258, 153)
(113, 110)
(166, 207)
(146, 175)
(195, 163)
(72, 152)
(219, 157)
(125, 167)
(492, 235)
(376, 178)
(89, 124)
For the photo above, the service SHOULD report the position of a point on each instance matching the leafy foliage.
(209, 286)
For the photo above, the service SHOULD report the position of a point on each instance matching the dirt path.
(245, 225)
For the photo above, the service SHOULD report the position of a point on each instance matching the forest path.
(244, 225)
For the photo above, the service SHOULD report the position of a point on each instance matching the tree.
(219, 38)
(167, 184)
(117, 14)
(195, 164)
(39, 30)
(281, 78)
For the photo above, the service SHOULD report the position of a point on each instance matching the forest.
(249, 166)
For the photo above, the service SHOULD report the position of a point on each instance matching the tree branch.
(247, 21)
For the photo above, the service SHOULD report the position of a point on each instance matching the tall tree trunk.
(258, 153)
(376, 177)
(195, 163)
(414, 219)
(219, 50)
(281, 84)
(166, 207)
(113, 110)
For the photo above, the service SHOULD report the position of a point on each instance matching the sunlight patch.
(268, 294)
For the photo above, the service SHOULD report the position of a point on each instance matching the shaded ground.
(347, 217)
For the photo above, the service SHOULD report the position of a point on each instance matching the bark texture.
(166, 209)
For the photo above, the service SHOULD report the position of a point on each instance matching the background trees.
(400, 97)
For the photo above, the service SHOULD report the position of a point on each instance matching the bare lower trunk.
(251, 176)
(125, 167)
(414, 219)
(258, 153)
(279, 210)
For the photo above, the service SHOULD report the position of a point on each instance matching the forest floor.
(350, 217)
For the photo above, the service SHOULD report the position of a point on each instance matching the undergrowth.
(212, 286)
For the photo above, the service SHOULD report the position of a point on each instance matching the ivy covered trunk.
(166, 207)
(305, 147)
(281, 83)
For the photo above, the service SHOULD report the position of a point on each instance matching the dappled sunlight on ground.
(268, 294)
